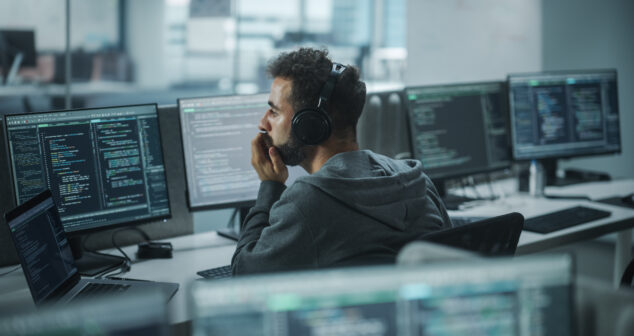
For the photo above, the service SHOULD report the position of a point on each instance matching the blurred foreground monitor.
(142, 314)
(520, 296)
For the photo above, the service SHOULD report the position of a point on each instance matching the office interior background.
(142, 51)
(97, 53)
(145, 51)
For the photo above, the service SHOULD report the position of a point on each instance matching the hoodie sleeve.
(274, 236)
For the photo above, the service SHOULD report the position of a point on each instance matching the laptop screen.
(41, 244)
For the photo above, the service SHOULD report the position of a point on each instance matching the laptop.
(47, 260)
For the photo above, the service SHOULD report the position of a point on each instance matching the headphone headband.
(329, 86)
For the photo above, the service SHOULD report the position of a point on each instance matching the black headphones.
(312, 125)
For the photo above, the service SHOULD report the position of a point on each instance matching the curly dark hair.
(308, 69)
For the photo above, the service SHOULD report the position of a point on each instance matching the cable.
(84, 247)
(11, 271)
(114, 243)
(126, 262)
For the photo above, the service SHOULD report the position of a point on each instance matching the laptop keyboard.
(216, 273)
(97, 289)
(563, 219)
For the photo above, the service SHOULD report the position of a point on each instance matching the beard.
(292, 152)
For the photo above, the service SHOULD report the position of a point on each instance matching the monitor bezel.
(525, 158)
(215, 206)
(78, 232)
(452, 175)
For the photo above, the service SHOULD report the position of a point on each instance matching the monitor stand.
(571, 176)
(452, 202)
(231, 232)
(91, 263)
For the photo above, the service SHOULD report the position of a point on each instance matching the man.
(356, 207)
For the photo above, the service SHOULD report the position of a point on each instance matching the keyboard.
(563, 219)
(96, 289)
(221, 272)
(460, 220)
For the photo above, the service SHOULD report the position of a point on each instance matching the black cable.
(114, 243)
(126, 262)
(84, 247)
(11, 271)
(124, 266)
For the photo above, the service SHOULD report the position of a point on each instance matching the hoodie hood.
(390, 191)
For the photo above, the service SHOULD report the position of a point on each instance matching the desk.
(621, 220)
(206, 250)
(192, 253)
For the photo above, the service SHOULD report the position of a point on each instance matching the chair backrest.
(496, 236)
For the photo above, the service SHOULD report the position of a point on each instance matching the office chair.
(496, 236)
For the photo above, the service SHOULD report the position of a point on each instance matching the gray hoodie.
(359, 208)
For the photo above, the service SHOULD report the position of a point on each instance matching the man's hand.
(269, 167)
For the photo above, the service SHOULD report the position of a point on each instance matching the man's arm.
(277, 242)
(284, 244)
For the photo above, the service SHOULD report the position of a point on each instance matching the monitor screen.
(460, 129)
(104, 166)
(217, 134)
(564, 114)
(524, 295)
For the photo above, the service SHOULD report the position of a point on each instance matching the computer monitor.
(524, 295)
(104, 166)
(564, 114)
(459, 129)
(217, 134)
(17, 48)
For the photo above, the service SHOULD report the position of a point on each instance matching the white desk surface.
(207, 250)
(621, 219)
(595, 190)
(192, 253)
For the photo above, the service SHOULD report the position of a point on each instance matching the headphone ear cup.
(311, 126)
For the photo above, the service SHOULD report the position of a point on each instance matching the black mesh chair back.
(496, 236)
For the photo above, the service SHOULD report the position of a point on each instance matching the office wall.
(587, 34)
(469, 40)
